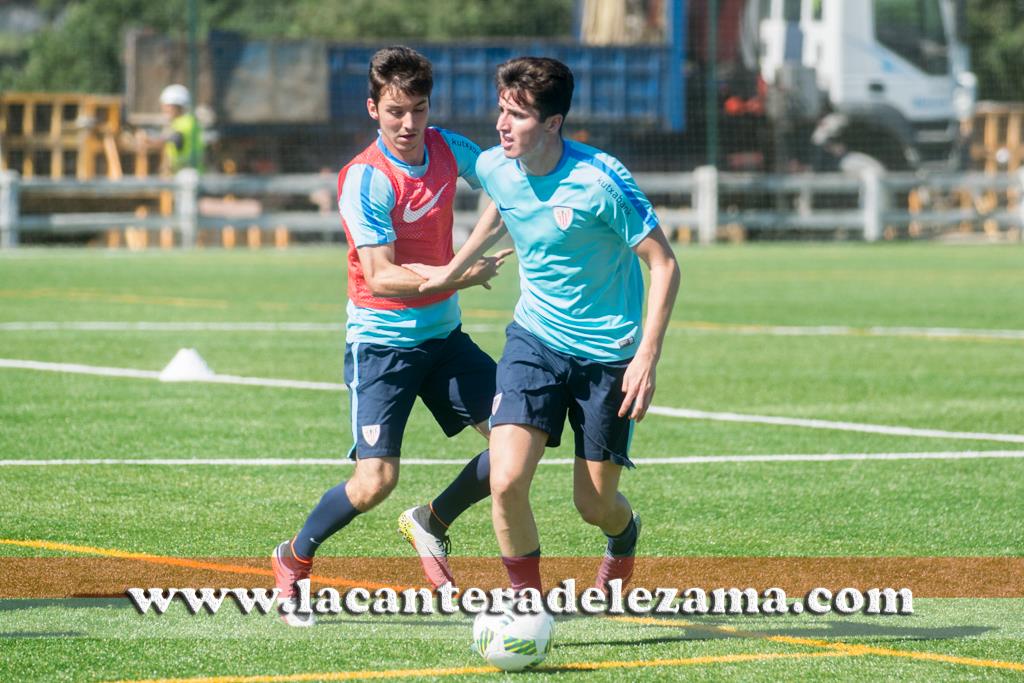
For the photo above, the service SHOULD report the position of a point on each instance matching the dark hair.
(548, 80)
(401, 68)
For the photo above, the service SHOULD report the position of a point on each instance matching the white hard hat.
(176, 95)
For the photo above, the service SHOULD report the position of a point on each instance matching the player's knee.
(372, 487)
(509, 487)
(371, 497)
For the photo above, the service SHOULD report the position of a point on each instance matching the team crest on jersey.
(371, 433)
(495, 403)
(563, 217)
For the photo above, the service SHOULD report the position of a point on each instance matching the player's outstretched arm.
(383, 276)
(469, 266)
(479, 273)
(638, 381)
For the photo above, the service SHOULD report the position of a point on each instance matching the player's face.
(520, 130)
(402, 119)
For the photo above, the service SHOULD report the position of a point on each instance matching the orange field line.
(836, 646)
(168, 560)
(833, 648)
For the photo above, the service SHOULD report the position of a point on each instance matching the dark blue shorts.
(538, 387)
(452, 375)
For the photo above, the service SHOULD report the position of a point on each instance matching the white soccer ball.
(513, 642)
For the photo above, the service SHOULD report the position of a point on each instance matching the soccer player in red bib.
(395, 199)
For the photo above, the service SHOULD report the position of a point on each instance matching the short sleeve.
(466, 153)
(366, 201)
(620, 203)
(484, 165)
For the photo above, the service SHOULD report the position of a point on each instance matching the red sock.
(524, 572)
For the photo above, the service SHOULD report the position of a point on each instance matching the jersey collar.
(561, 162)
(408, 169)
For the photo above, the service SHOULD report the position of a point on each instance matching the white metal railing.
(705, 199)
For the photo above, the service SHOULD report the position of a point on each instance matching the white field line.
(848, 331)
(654, 410)
(277, 383)
(683, 460)
(101, 326)
(715, 328)
(153, 374)
(828, 424)
(77, 369)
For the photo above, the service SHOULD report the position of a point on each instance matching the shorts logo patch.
(563, 217)
(495, 403)
(371, 433)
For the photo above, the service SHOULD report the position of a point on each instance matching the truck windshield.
(913, 29)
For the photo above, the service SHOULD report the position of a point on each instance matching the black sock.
(471, 486)
(435, 525)
(332, 513)
(625, 543)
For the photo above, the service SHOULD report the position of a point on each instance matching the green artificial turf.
(766, 509)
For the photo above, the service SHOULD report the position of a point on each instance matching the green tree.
(434, 20)
(81, 51)
(995, 34)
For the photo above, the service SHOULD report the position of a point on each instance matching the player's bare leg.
(597, 498)
(292, 560)
(515, 452)
(595, 492)
(372, 482)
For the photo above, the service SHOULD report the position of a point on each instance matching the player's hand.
(426, 272)
(481, 272)
(638, 385)
(438, 278)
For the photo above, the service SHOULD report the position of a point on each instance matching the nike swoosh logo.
(411, 216)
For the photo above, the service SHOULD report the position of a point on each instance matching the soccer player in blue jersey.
(577, 346)
(403, 339)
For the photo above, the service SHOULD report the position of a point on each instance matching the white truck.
(873, 82)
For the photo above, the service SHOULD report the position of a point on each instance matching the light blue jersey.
(366, 201)
(574, 230)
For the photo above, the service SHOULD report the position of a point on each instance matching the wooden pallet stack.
(67, 135)
(997, 146)
(80, 136)
(997, 136)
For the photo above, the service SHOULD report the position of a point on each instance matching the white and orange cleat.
(287, 570)
(433, 550)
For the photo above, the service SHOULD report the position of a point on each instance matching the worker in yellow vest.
(182, 141)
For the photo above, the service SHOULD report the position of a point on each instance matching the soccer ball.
(513, 642)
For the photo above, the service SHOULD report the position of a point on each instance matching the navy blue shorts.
(538, 387)
(452, 375)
